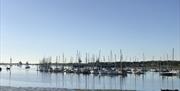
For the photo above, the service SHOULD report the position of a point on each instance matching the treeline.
(151, 64)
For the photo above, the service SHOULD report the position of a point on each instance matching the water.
(20, 77)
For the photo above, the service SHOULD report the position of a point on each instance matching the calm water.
(151, 81)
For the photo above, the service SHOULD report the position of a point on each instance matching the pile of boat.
(91, 70)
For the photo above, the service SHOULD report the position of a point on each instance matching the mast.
(167, 60)
(77, 59)
(63, 57)
(115, 61)
(71, 59)
(77, 56)
(172, 57)
(10, 61)
(86, 58)
(104, 60)
(59, 59)
(160, 68)
(121, 58)
(63, 62)
(173, 54)
(99, 60)
(111, 56)
(99, 55)
(172, 66)
(56, 60)
(143, 62)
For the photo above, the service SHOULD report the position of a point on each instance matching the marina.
(68, 76)
(20, 77)
(93, 73)
(89, 45)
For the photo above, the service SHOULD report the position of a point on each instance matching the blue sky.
(32, 29)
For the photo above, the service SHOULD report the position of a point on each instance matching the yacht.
(169, 73)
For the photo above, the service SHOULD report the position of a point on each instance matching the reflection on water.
(19, 77)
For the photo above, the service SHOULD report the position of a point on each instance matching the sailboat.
(27, 66)
(98, 65)
(79, 61)
(117, 71)
(140, 70)
(170, 72)
(122, 72)
(56, 69)
(102, 71)
(113, 71)
(8, 68)
(86, 70)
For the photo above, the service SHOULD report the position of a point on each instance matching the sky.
(33, 29)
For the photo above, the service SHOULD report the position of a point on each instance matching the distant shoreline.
(8, 88)
(175, 64)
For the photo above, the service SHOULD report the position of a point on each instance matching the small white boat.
(103, 71)
(138, 71)
(169, 73)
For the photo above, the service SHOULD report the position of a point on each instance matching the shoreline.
(9, 88)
